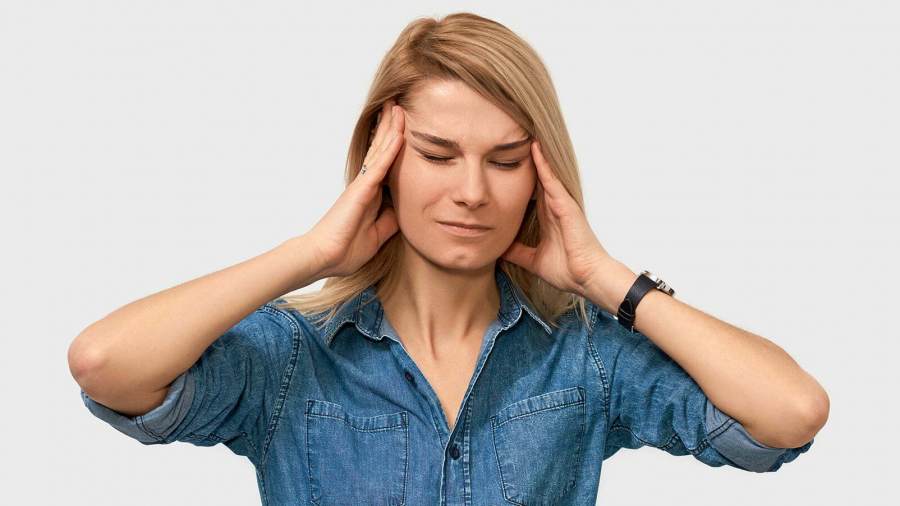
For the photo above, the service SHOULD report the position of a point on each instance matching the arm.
(746, 376)
(128, 359)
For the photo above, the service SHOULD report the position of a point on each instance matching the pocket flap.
(550, 400)
(330, 409)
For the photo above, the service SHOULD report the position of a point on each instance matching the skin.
(445, 294)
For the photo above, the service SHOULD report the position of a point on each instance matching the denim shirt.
(342, 415)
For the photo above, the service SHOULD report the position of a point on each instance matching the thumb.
(520, 254)
(386, 225)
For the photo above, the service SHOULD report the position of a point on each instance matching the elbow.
(817, 412)
(84, 361)
(813, 415)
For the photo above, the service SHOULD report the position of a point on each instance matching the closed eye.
(437, 159)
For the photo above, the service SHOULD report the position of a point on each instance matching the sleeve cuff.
(156, 426)
(730, 439)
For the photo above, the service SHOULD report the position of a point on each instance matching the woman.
(475, 363)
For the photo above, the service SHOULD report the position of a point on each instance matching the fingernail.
(395, 134)
(392, 110)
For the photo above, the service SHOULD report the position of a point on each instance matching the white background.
(744, 151)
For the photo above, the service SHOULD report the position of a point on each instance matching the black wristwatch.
(643, 284)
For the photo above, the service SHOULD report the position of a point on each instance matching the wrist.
(306, 266)
(610, 286)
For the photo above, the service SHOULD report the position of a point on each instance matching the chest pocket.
(356, 459)
(538, 444)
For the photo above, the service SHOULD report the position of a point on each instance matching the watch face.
(660, 284)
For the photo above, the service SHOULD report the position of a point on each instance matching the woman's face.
(472, 181)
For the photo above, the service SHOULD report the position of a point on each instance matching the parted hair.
(501, 66)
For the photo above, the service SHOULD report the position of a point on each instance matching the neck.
(437, 309)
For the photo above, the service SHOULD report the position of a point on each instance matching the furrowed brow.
(451, 144)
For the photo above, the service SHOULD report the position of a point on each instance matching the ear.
(534, 194)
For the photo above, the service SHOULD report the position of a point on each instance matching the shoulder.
(268, 332)
(301, 327)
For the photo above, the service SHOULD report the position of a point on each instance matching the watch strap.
(628, 307)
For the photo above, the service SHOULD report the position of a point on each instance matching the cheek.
(412, 190)
(513, 202)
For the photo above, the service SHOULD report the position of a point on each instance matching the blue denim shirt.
(343, 415)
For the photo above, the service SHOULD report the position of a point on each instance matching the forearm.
(748, 377)
(143, 346)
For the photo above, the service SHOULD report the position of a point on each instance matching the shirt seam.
(285, 380)
(598, 362)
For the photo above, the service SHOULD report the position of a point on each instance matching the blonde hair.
(501, 66)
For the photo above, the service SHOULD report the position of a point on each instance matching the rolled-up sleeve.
(652, 401)
(158, 425)
(230, 395)
(730, 439)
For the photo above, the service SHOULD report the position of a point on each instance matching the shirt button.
(410, 377)
(454, 452)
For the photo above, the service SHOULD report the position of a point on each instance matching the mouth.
(463, 230)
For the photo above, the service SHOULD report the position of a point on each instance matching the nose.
(471, 187)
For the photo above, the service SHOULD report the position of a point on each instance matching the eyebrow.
(450, 144)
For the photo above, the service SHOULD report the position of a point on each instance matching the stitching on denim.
(467, 461)
(261, 474)
(780, 460)
(577, 459)
(250, 443)
(601, 370)
(406, 454)
(593, 316)
(519, 301)
(309, 463)
(577, 456)
(406, 468)
(668, 445)
(558, 406)
(721, 429)
(642, 440)
(378, 429)
(143, 424)
(500, 469)
(139, 422)
(210, 437)
(548, 408)
(377, 324)
(312, 402)
(285, 380)
(336, 327)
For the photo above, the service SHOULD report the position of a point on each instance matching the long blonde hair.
(501, 66)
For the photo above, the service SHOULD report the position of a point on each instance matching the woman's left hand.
(569, 256)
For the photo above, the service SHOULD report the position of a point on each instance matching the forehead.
(452, 110)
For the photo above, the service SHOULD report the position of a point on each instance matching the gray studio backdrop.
(745, 151)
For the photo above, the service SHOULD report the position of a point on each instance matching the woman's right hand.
(349, 235)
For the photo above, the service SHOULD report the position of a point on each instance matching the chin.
(463, 260)
(451, 255)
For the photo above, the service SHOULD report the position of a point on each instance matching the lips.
(467, 225)
(464, 231)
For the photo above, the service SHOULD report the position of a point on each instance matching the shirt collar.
(365, 311)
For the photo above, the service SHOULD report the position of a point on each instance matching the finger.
(559, 200)
(382, 164)
(388, 134)
(551, 183)
(547, 219)
(373, 126)
(384, 117)
(384, 125)
(520, 254)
